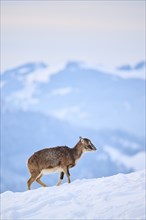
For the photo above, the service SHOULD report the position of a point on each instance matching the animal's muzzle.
(92, 147)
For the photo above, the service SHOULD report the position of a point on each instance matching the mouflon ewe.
(54, 159)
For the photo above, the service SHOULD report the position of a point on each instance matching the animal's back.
(50, 158)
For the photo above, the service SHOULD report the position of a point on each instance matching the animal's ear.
(81, 139)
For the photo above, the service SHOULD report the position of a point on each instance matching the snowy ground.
(117, 197)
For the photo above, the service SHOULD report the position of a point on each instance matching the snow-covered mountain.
(116, 197)
(80, 95)
(42, 108)
(138, 66)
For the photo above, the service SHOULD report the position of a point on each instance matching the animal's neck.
(78, 151)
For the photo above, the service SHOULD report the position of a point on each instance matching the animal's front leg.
(66, 170)
(61, 178)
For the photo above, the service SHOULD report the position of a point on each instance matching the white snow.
(117, 197)
(125, 74)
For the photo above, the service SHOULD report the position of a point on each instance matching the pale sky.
(109, 33)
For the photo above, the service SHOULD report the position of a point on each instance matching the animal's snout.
(92, 147)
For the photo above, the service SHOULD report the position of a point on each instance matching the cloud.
(43, 76)
(23, 98)
(70, 113)
(62, 91)
(136, 162)
(27, 95)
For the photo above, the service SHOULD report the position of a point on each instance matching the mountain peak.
(25, 68)
(138, 66)
(73, 65)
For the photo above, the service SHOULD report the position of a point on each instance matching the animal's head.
(87, 144)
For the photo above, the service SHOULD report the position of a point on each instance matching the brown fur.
(56, 159)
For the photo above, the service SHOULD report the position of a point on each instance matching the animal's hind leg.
(30, 181)
(34, 174)
(40, 182)
(61, 178)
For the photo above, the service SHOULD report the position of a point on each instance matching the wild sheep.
(54, 159)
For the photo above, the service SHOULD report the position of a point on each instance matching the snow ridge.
(117, 197)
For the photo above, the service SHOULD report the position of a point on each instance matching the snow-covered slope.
(117, 197)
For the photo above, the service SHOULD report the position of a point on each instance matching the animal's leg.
(30, 181)
(40, 182)
(61, 178)
(34, 174)
(66, 170)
